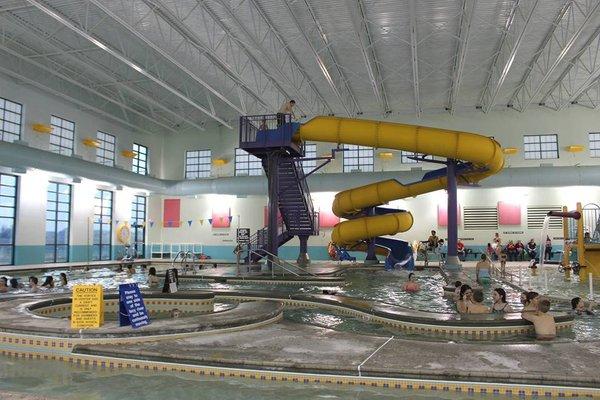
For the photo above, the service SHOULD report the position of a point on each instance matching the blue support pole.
(452, 261)
(273, 207)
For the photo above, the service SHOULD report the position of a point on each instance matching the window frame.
(594, 151)
(138, 228)
(250, 160)
(308, 166)
(138, 165)
(199, 170)
(539, 153)
(99, 219)
(4, 121)
(14, 215)
(101, 150)
(55, 220)
(59, 148)
(360, 165)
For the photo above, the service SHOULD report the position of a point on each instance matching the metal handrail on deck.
(280, 263)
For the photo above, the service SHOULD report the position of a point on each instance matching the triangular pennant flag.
(116, 222)
(201, 221)
(180, 223)
(169, 223)
(151, 224)
(189, 222)
(221, 219)
(210, 221)
(230, 219)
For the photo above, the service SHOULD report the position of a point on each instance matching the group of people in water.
(12, 284)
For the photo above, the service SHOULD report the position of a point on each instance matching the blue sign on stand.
(132, 310)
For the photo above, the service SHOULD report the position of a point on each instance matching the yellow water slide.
(483, 152)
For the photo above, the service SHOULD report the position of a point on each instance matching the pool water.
(54, 380)
(556, 285)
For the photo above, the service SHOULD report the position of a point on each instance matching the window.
(538, 147)
(138, 224)
(62, 136)
(101, 249)
(8, 212)
(358, 158)
(197, 164)
(105, 153)
(310, 151)
(247, 164)
(10, 120)
(594, 144)
(58, 212)
(140, 161)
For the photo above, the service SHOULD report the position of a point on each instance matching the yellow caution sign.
(87, 309)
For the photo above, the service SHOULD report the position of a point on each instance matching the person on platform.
(411, 286)
(499, 305)
(544, 324)
(287, 108)
(497, 240)
(476, 306)
(483, 270)
(548, 248)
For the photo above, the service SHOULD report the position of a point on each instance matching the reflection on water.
(54, 380)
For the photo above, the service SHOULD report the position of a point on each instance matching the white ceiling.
(166, 66)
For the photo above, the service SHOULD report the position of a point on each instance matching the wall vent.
(480, 218)
(536, 215)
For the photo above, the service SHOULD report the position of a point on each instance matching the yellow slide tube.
(484, 152)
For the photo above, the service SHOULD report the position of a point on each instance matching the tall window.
(138, 224)
(105, 153)
(247, 164)
(102, 225)
(197, 164)
(140, 161)
(358, 158)
(594, 144)
(8, 212)
(10, 120)
(538, 147)
(62, 136)
(310, 151)
(58, 212)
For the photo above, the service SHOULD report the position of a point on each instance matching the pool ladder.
(281, 263)
(185, 255)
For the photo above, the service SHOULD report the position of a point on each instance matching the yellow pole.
(566, 247)
(581, 246)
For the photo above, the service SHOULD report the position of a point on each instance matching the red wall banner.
(171, 213)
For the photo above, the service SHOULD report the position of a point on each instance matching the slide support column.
(371, 258)
(452, 261)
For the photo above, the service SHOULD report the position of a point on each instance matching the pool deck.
(308, 349)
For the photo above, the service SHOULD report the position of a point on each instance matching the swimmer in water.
(544, 324)
(476, 306)
(500, 305)
(464, 300)
(48, 283)
(63, 279)
(482, 270)
(578, 305)
(3, 285)
(411, 286)
(153, 280)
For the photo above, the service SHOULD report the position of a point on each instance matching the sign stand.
(132, 310)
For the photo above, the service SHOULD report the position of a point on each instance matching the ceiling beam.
(270, 36)
(566, 29)
(468, 8)
(582, 72)
(414, 55)
(125, 60)
(349, 104)
(512, 36)
(61, 50)
(367, 48)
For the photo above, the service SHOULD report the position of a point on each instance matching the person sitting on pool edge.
(476, 306)
(482, 271)
(578, 305)
(545, 327)
(411, 286)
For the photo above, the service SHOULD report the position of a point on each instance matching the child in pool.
(578, 305)
(411, 286)
(476, 306)
(482, 270)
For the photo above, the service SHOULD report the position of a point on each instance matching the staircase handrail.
(179, 253)
(282, 262)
